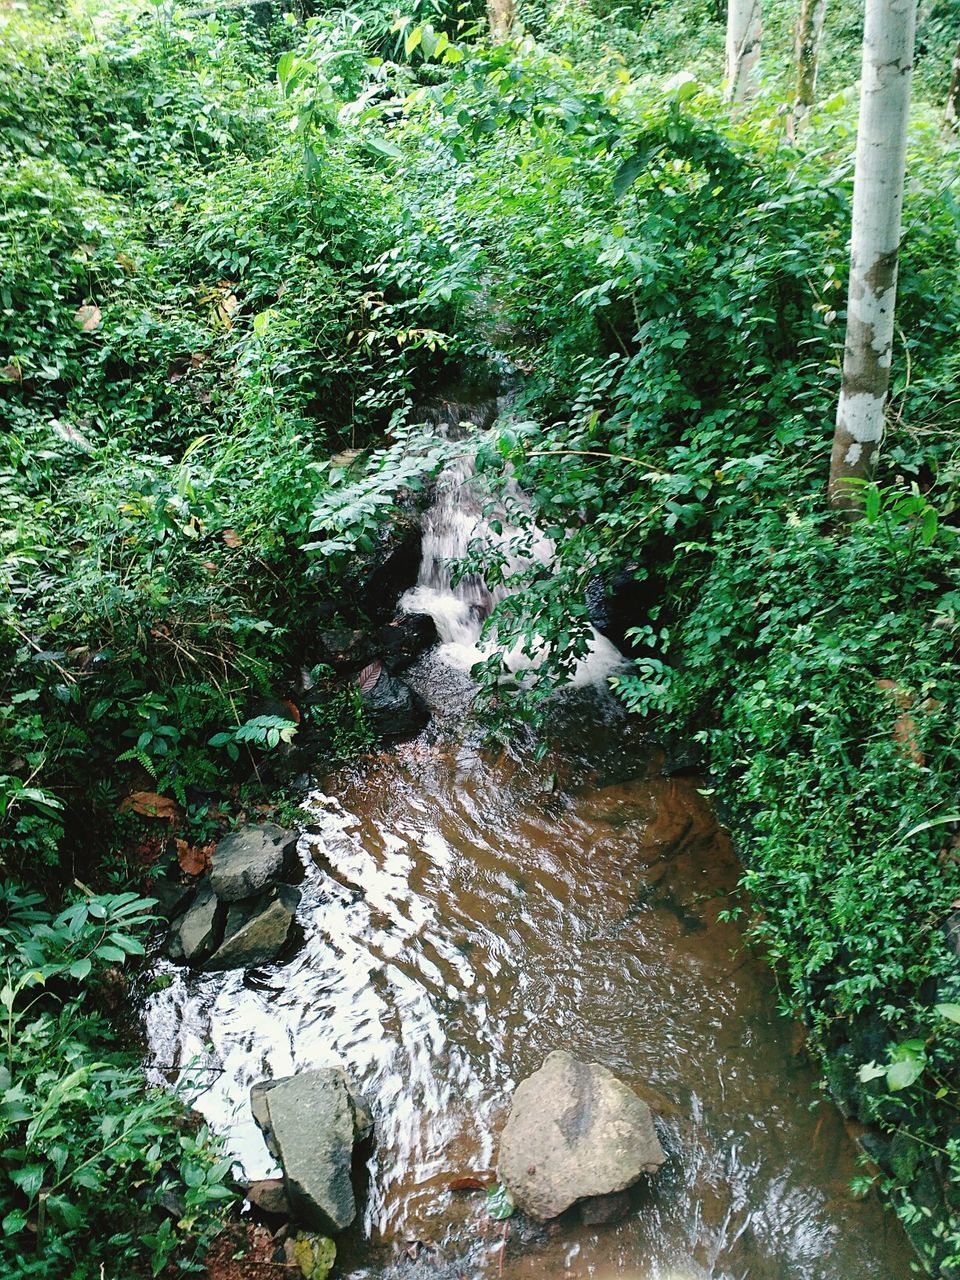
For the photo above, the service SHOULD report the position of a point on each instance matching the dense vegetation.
(238, 250)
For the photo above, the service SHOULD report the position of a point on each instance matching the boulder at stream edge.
(254, 858)
(243, 914)
(393, 710)
(256, 931)
(574, 1132)
(311, 1123)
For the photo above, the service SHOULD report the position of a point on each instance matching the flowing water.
(466, 914)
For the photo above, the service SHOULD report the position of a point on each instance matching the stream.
(465, 913)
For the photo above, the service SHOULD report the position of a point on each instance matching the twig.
(597, 453)
(503, 1247)
(36, 648)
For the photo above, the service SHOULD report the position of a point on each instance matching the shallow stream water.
(465, 914)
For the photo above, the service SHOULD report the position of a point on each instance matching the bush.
(97, 1167)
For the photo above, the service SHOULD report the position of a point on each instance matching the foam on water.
(458, 525)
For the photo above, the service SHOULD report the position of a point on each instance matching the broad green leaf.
(381, 147)
(870, 1071)
(902, 1074)
(499, 1203)
(14, 1222)
(871, 503)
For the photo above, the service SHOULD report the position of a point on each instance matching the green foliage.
(499, 1203)
(193, 329)
(232, 261)
(265, 732)
(92, 1158)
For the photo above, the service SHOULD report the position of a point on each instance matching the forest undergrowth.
(237, 250)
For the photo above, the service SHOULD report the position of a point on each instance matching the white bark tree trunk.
(501, 15)
(952, 113)
(744, 28)
(809, 32)
(888, 38)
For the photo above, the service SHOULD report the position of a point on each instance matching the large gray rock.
(257, 931)
(254, 858)
(311, 1123)
(200, 928)
(393, 709)
(574, 1131)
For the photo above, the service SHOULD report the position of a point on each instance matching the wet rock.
(201, 926)
(392, 570)
(402, 641)
(618, 602)
(683, 758)
(344, 648)
(575, 1131)
(254, 858)
(269, 1195)
(393, 709)
(311, 1123)
(597, 1211)
(257, 932)
(172, 896)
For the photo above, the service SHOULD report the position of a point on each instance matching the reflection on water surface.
(463, 917)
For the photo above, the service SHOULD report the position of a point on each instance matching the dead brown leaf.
(369, 676)
(87, 318)
(11, 372)
(151, 805)
(194, 859)
(468, 1183)
(231, 538)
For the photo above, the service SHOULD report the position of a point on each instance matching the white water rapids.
(457, 525)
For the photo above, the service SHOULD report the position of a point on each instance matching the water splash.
(461, 524)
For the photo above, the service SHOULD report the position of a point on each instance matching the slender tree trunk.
(744, 28)
(888, 36)
(952, 114)
(809, 31)
(501, 15)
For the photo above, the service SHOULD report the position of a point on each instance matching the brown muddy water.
(463, 916)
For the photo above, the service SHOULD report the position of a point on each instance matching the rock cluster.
(242, 914)
(575, 1132)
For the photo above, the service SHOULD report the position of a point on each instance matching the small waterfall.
(457, 525)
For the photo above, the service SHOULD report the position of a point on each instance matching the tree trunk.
(952, 114)
(501, 15)
(888, 36)
(809, 31)
(744, 26)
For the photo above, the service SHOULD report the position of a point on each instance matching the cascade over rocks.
(311, 1123)
(574, 1132)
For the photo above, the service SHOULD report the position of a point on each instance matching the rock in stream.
(243, 914)
(574, 1132)
(311, 1123)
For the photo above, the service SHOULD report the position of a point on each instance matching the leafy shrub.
(96, 1165)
